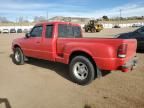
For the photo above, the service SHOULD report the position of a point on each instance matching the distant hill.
(79, 20)
(122, 21)
(70, 19)
(85, 20)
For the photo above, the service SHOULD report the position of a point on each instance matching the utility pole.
(47, 15)
(120, 14)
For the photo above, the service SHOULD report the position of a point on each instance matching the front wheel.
(93, 30)
(86, 30)
(18, 56)
(82, 70)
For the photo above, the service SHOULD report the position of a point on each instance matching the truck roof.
(57, 22)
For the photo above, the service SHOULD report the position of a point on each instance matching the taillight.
(122, 50)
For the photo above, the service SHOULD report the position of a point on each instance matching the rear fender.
(78, 50)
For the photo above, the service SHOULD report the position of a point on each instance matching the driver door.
(32, 44)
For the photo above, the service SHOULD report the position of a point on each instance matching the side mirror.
(27, 35)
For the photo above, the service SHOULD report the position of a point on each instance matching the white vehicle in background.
(5, 31)
(25, 31)
(137, 25)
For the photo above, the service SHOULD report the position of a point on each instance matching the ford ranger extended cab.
(63, 42)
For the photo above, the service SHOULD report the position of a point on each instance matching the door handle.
(37, 42)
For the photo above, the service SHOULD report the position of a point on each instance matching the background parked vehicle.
(12, 30)
(5, 31)
(137, 34)
(0, 31)
(19, 30)
(136, 25)
(116, 26)
(25, 31)
(93, 26)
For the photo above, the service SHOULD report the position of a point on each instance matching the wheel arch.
(16, 46)
(82, 53)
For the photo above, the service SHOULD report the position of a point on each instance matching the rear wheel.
(18, 56)
(82, 70)
(86, 30)
(98, 30)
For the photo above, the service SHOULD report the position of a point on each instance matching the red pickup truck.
(63, 42)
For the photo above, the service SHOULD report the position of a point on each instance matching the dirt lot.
(42, 84)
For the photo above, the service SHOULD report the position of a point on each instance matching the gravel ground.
(43, 84)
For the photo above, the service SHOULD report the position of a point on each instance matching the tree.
(21, 19)
(3, 20)
(39, 19)
(105, 18)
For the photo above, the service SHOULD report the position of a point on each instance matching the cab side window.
(36, 31)
(49, 31)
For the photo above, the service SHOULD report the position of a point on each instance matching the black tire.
(93, 30)
(18, 60)
(98, 30)
(89, 67)
(86, 30)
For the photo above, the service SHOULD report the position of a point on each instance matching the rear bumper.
(111, 64)
(130, 65)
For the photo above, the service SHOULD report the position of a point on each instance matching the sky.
(13, 9)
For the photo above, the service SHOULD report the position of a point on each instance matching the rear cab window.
(77, 31)
(69, 31)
